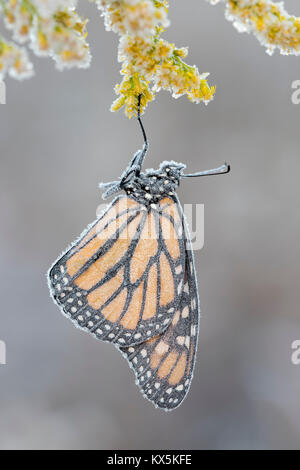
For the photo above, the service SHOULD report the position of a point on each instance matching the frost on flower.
(50, 28)
(14, 60)
(61, 36)
(54, 28)
(149, 63)
(268, 20)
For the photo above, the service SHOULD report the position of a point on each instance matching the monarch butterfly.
(130, 279)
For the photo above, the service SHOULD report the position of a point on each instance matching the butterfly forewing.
(164, 364)
(122, 279)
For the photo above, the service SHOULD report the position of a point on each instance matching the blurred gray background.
(61, 389)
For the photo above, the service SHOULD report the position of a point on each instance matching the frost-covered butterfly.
(130, 279)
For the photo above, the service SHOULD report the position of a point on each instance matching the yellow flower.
(150, 63)
(268, 20)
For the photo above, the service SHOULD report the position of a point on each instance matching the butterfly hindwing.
(164, 365)
(122, 279)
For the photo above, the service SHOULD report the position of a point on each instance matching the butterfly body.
(150, 187)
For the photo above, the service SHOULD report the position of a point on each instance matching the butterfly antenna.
(222, 170)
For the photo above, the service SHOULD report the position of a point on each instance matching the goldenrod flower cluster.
(268, 20)
(149, 63)
(51, 28)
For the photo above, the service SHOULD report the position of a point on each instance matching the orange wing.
(123, 278)
(164, 365)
